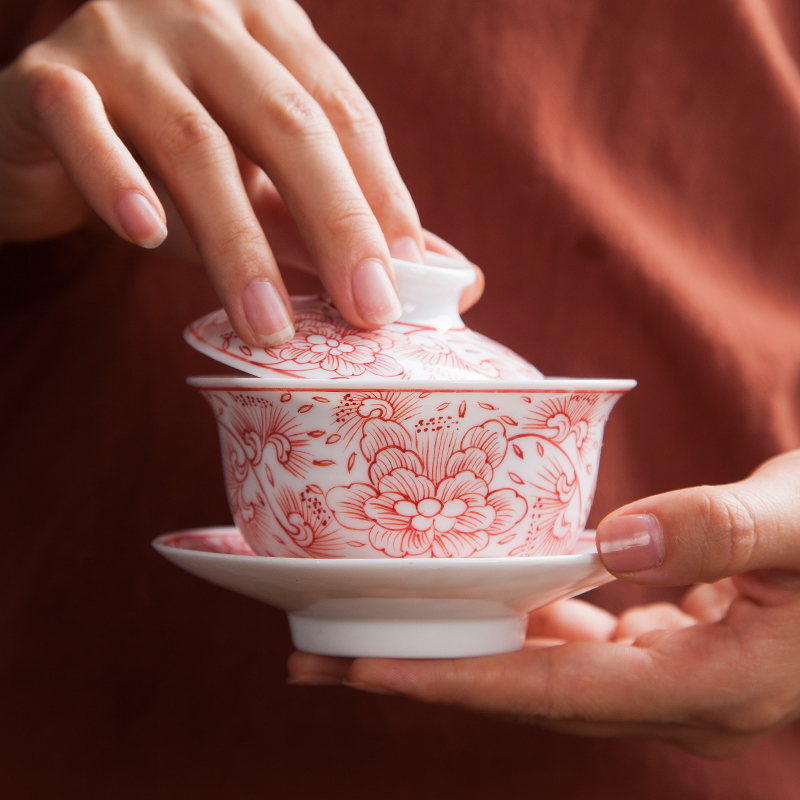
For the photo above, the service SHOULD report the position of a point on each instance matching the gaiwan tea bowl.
(421, 439)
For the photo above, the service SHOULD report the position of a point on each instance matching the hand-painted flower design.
(335, 346)
(324, 345)
(411, 516)
(581, 416)
(236, 470)
(268, 434)
(436, 353)
(408, 512)
(307, 523)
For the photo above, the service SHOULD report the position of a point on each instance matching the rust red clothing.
(628, 176)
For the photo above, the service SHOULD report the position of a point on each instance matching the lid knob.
(429, 293)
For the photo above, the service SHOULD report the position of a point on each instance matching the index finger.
(282, 129)
(295, 43)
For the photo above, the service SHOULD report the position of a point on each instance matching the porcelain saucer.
(392, 608)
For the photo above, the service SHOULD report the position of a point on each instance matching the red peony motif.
(335, 346)
(409, 510)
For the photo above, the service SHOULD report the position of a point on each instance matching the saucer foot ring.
(383, 628)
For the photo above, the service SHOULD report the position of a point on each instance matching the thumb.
(704, 534)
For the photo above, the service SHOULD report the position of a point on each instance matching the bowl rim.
(556, 384)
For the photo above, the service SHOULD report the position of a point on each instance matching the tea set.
(412, 491)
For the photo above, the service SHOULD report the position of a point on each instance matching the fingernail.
(631, 543)
(406, 249)
(266, 314)
(140, 220)
(314, 680)
(365, 687)
(374, 294)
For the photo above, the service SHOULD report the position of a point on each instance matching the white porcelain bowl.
(327, 471)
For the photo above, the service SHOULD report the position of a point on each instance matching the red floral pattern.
(579, 417)
(408, 511)
(332, 345)
(409, 474)
(325, 346)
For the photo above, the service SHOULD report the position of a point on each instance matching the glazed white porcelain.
(421, 439)
(392, 608)
(320, 470)
(429, 342)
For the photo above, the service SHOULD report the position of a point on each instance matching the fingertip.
(278, 338)
(436, 244)
(572, 620)
(386, 675)
(473, 292)
(314, 680)
(631, 543)
(365, 687)
(140, 220)
(308, 669)
(406, 248)
(267, 314)
(374, 294)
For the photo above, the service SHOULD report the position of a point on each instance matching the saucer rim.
(310, 591)
(342, 564)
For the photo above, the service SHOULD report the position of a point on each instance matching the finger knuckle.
(33, 58)
(392, 200)
(196, 9)
(192, 136)
(285, 16)
(297, 115)
(296, 20)
(732, 534)
(99, 22)
(242, 235)
(351, 113)
(349, 215)
(207, 21)
(54, 86)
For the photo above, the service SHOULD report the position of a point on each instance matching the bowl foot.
(407, 628)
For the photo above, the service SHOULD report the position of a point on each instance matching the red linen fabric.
(627, 175)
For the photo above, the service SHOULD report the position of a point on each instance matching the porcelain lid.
(428, 342)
